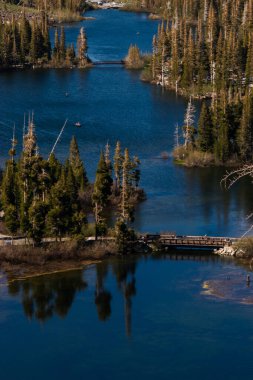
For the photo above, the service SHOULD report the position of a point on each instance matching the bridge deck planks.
(188, 241)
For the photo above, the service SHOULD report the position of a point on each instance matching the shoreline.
(58, 267)
(21, 262)
(26, 261)
(18, 263)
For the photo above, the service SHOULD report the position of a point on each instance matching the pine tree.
(189, 119)
(54, 168)
(82, 48)
(10, 196)
(77, 165)
(37, 214)
(205, 130)
(62, 47)
(47, 45)
(70, 55)
(133, 59)
(60, 215)
(56, 50)
(126, 208)
(11, 219)
(25, 34)
(36, 48)
(245, 133)
(118, 161)
(221, 145)
(101, 193)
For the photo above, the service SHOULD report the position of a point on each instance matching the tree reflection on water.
(46, 296)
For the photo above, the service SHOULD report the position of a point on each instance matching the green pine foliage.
(101, 193)
(44, 198)
(27, 43)
(77, 165)
(205, 139)
(204, 49)
(133, 59)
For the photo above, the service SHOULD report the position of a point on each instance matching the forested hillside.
(73, 5)
(205, 49)
(57, 11)
(27, 43)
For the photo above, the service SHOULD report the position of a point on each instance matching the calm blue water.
(127, 319)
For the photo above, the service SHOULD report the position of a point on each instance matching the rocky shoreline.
(234, 251)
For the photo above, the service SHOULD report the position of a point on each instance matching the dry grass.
(192, 157)
(69, 250)
(65, 15)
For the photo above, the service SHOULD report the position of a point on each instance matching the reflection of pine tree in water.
(127, 286)
(102, 296)
(46, 296)
(43, 297)
(129, 291)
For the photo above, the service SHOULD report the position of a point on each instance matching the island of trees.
(44, 198)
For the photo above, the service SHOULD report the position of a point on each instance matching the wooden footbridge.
(172, 241)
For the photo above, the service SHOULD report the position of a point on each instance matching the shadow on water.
(46, 296)
(215, 199)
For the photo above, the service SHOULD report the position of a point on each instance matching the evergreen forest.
(27, 43)
(204, 49)
(42, 197)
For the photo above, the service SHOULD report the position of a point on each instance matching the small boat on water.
(78, 124)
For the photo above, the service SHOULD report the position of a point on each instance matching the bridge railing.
(180, 240)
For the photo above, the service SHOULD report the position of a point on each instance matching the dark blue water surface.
(126, 319)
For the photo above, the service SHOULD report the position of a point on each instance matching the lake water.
(127, 319)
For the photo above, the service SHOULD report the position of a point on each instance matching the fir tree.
(189, 119)
(205, 130)
(62, 47)
(118, 161)
(37, 214)
(77, 165)
(82, 48)
(245, 133)
(101, 193)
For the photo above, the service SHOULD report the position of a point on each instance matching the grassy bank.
(244, 248)
(65, 16)
(27, 260)
(190, 157)
(56, 251)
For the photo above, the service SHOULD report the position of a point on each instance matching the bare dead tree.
(233, 176)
